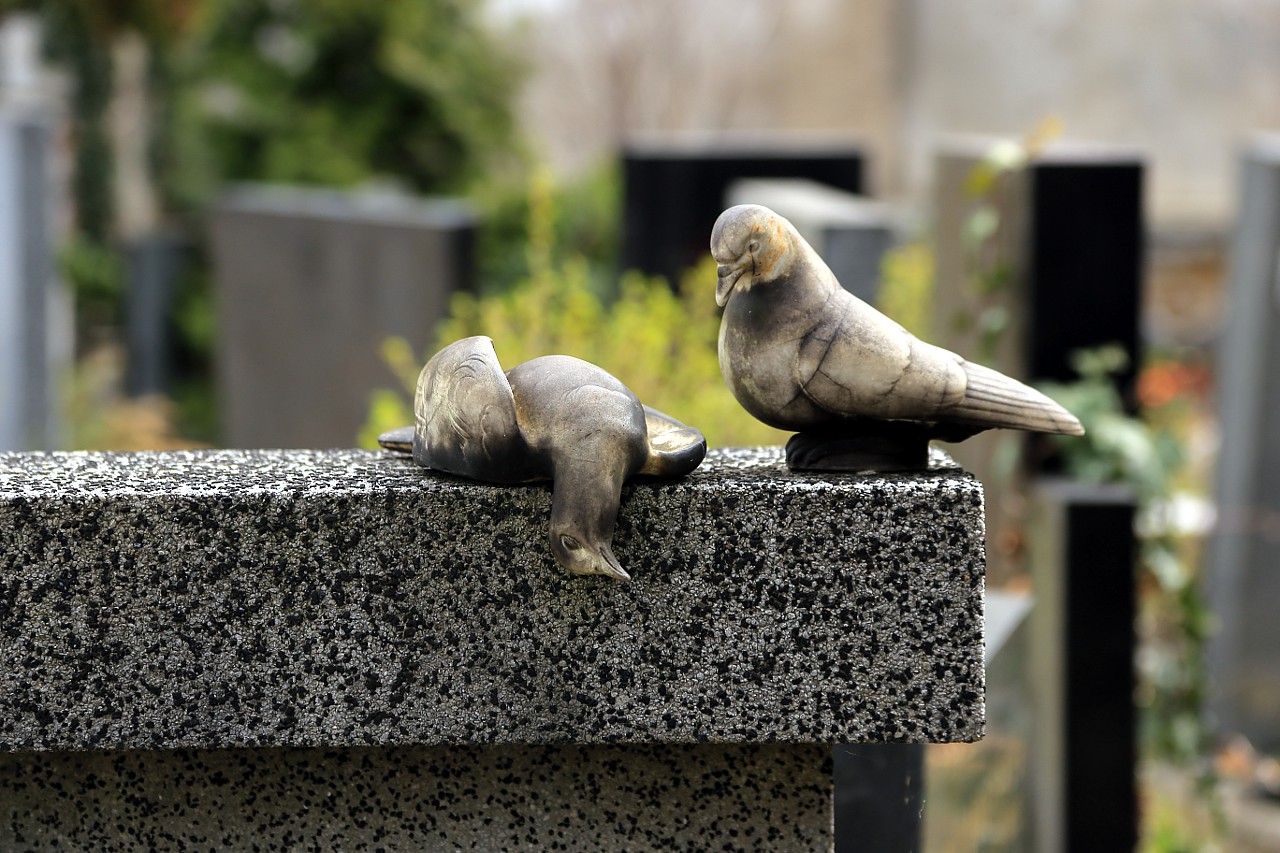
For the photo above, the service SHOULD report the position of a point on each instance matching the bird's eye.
(753, 246)
(570, 543)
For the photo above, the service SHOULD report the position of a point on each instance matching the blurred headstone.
(675, 186)
(1084, 750)
(20, 45)
(34, 309)
(1069, 231)
(1044, 261)
(155, 267)
(310, 283)
(850, 232)
(1243, 569)
(879, 796)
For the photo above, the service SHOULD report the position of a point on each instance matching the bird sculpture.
(801, 353)
(553, 418)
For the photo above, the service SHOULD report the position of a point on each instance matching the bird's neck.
(799, 293)
(822, 282)
(586, 497)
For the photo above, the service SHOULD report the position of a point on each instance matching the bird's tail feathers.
(400, 440)
(994, 400)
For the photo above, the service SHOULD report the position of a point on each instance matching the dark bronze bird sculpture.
(553, 418)
(801, 353)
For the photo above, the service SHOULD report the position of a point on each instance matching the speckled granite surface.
(326, 599)
(767, 797)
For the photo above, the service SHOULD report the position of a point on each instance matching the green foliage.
(95, 275)
(1116, 447)
(660, 343)
(1149, 454)
(906, 283)
(987, 244)
(336, 93)
(582, 216)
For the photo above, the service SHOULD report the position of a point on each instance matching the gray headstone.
(309, 285)
(154, 271)
(1243, 569)
(850, 232)
(34, 310)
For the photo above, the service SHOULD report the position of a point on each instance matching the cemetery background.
(150, 111)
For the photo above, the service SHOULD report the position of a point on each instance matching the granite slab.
(214, 599)
(580, 798)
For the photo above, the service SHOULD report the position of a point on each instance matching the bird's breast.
(759, 349)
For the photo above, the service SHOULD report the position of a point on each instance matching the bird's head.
(751, 245)
(582, 552)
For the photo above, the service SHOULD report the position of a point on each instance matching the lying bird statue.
(802, 353)
(553, 418)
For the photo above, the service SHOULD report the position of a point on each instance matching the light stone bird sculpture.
(801, 353)
(553, 418)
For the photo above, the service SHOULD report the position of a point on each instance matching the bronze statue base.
(883, 446)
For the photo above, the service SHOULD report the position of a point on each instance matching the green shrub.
(906, 286)
(660, 343)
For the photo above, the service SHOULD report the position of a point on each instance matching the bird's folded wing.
(465, 412)
(871, 367)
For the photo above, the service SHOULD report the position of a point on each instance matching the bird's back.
(800, 352)
(571, 408)
(866, 365)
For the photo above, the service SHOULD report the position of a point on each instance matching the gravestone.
(1064, 272)
(1242, 574)
(309, 284)
(850, 232)
(1084, 749)
(34, 309)
(1071, 231)
(879, 789)
(1070, 237)
(154, 267)
(341, 649)
(674, 187)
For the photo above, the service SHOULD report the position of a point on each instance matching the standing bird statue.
(801, 353)
(553, 418)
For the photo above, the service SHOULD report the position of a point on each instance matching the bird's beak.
(610, 566)
(726, 277)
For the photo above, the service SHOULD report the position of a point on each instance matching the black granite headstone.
(674, 190)
(1084, 260)
(1084, 758)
